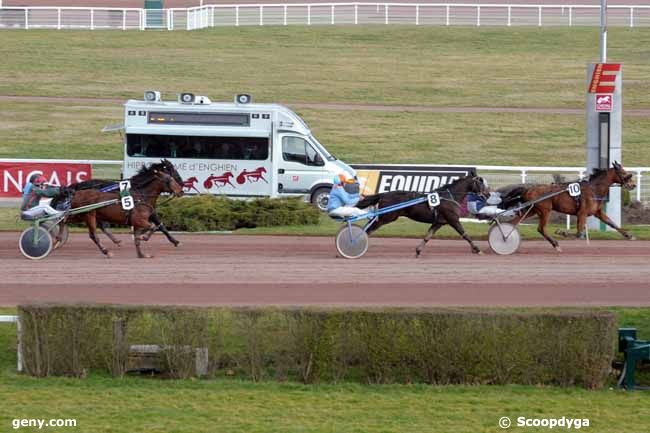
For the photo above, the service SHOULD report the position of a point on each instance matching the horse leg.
(544, 217)
(581, 224)
(601, 215)
(148, 232)
(137, 234)
(455, 223)
(104, 227)
(141, 227)
(91, 223)
(58, 238)
(160, 226)
(432, 230)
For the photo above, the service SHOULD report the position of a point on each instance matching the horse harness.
(449, 198)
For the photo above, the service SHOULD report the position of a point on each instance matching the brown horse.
(593, 194)
(104, 185)
(146, 187)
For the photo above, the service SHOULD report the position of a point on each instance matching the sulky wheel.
(351, 241)
(35, 243)
(504, 238)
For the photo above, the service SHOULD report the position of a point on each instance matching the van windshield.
(179, 146)
(321, 149)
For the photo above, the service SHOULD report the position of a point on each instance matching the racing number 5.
(127, 202)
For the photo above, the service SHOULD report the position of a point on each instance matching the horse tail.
(369, 201)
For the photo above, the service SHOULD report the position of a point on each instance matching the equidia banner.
(14, 175)
(375, 179)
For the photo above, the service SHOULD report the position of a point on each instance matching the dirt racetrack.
(246, 270)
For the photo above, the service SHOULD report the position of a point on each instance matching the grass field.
(525, 67)
(46, 130)
(487, 67)
(102, 404)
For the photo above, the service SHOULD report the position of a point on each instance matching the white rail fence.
(438, 14)
(496, 175)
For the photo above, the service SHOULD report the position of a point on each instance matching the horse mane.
(597, 172)
(145, 174)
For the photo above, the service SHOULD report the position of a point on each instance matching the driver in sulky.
(36, 189)
(343, 198)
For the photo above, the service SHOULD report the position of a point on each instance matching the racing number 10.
(574, 189)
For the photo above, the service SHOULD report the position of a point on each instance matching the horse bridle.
(621, 179)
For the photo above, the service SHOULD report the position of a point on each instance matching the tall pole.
(603, 31)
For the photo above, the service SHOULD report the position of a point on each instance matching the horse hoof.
(479, 252)
(562, 233)
(176, 244)
(631, 238)
(558, 249)
(108, 254)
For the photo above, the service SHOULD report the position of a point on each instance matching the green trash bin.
(155, 14)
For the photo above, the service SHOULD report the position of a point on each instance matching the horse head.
(479, 186)
(168, 167)
(169, 184)
(623, 177)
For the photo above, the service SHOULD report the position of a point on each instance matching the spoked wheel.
(351, 241)
(504, 238)
(35, 243)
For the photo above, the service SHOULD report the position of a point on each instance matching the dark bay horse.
(146, 187)
(447, 212)
(593, 194)
(106, 185)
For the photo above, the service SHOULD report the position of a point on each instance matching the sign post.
(605, 119)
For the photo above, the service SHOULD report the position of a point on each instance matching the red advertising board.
(14, 175)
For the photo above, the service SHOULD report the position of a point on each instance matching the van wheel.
(320, 197)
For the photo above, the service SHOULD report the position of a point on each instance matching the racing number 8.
(574, 189)
(127, 202)
(434, 199)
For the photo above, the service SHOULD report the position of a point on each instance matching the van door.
(300, 167)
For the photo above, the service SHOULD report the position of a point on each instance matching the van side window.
(296, 149)
(178, 146)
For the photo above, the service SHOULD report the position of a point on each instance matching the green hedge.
(207, 212)
(437, 346)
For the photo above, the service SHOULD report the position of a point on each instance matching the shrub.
(208, 213)
(437, 346)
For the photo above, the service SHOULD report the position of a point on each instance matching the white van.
(238, 149)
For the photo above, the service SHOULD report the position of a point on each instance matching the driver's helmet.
(339, 179)
(37, 180)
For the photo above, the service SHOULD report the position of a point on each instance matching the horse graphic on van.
(252, 176)
(188, 184)
(218, 181)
